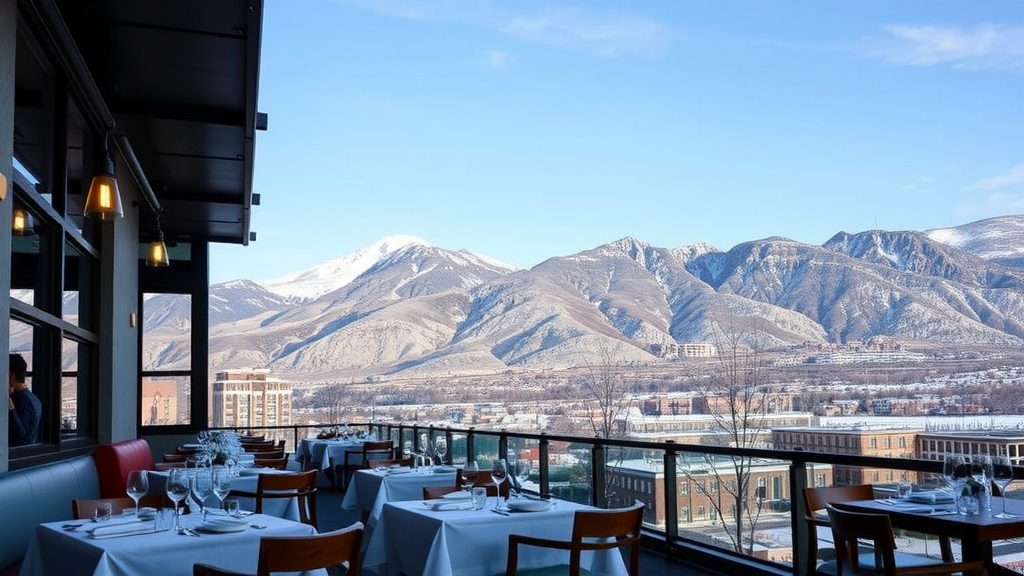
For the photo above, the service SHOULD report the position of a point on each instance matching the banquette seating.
(44, 493)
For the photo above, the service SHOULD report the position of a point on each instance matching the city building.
(250, 399)
(857, 440)
(934, 445)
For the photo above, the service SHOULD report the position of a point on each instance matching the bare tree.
(737, 400)
(608, 388)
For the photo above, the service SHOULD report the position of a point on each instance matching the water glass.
(102, 511)
(479, 495)
(231, 506)
(903, 489)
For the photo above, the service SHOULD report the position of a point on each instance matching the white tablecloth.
(322, 454)
(246, 482)
(55, 551)
(370, 489)
(416, 541)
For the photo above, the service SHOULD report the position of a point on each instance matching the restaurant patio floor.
(331, 517)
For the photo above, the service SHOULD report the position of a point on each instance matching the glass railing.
(719, 506)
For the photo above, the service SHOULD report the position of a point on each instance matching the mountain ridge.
(418, 309)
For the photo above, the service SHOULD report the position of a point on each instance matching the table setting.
(437, 538)
(370, 489)
(128, 545)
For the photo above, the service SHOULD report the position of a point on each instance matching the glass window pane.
(166, 332)
(79, 272)
(165, 400)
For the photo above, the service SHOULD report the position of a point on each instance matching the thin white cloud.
(983, 47)
(995, 203)
(607, 36)
(499, 58)
(1011, 177)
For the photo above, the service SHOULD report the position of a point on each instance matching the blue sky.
(523, 130)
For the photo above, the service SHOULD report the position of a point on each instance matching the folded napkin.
(123, 529)
(931, 496)
(452, 505)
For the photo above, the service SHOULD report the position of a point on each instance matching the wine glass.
(499, 472)
(177, 490)
(984, 462)
(202, 487)
(221, 484)
(521, 473)
(1002, 475)
(957, 471)
(469, 473)
(440, 448)
(138, 486)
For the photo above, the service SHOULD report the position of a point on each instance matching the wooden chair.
(817, 499)
(278, 463)
(848, 527)
(391, 462)
(591, 530)
(333, 550)
(175, 457)
(484, 478)
(301, 485)
(372, 450)
(435, 492)
(267, 446)
(86, 507)
(169, 465)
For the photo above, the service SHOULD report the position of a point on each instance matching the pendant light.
(157, 255)
(21, 224)
(104, 200)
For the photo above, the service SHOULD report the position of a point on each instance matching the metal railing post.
(798, 510)
(598, 493)
(470, 448)
(502, 445)
(671, 497)
(543, 453)
(447, 458)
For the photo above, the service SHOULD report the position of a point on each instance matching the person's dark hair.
(18, 367)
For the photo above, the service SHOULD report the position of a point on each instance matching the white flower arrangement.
(220, 447)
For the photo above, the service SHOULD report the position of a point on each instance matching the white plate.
(222, 526)
(529, 505)
(457, 496)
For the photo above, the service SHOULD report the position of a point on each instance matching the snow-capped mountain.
(1000, 240)
(417, 309)
(327, 277)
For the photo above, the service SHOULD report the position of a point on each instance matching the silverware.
(71, 526)
(502, 512)
(258, 526)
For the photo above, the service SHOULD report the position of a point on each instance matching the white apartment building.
(250, 399)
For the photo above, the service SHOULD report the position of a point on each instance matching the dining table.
(370, 488)
(69, 548)
(323, 454)
(415, 539)
(245, 481)
(976, 532)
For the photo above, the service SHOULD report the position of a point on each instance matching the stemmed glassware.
(177, 490)
(957, 471)
(138, 486)
(469, 473)
(1002, 475)
(221, 484)
(983, 462)
(440, 448)
(521, 472)
(202, 487)
(499, 472)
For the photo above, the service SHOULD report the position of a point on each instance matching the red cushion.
(114, 461)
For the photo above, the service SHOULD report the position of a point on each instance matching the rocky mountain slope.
(415, 309)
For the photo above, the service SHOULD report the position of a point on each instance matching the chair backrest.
(377, 450)
(86, 507)
(816, 499)
(301, 553)
(484, 478)
(604, 529)
(174, 457)
(169, 465)
(849, 527)
(435, 492)
(391, 462)
(266, 446)
(300, 485)
(278, 463)
(265, 454)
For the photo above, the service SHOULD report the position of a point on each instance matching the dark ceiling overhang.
(180, 78)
